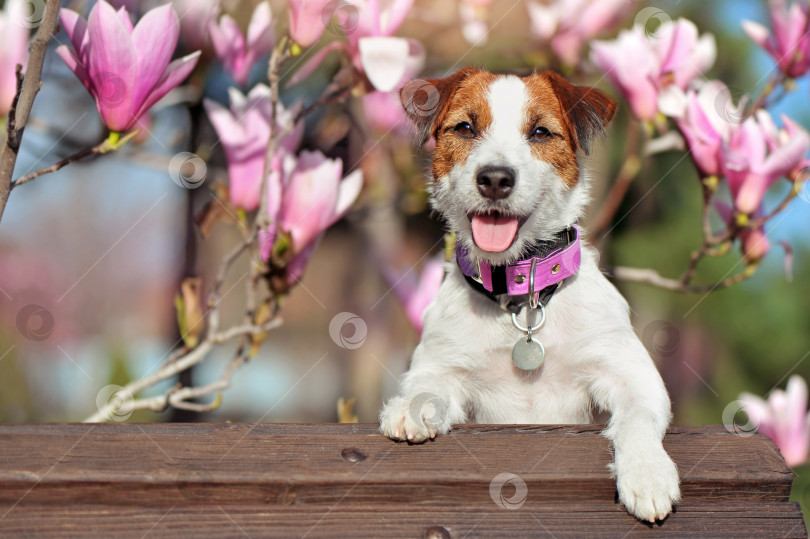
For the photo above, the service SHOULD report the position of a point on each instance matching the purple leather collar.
(551, 268)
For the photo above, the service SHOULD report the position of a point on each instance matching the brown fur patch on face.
(543, 110)
(468, 104)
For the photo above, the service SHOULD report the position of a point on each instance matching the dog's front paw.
(648, 484)
(415, 419)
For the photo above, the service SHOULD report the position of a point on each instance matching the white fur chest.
(476, 337)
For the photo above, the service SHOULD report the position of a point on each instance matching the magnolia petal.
(68, 55)
(769, 129)
(306, 20)
(176, 73)
(717, 104)
(705, 53)
(758, 412)
(758, 33)
(788, 157)
(260, 30)
(154, 39)
(266, 238)
(675, 42)
(751, 191)
(672, 101)
(310, 197)
(123, 14)
(426, 291)
(75, 27)
(384, 60)
(394, 16)
(296, 266)
(349, 190)
(228, 128)
(112, 60)
(796, 392)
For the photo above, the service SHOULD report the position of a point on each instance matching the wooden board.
(62, 477)
(262, 520)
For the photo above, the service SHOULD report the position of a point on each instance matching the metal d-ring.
(534, 301)
(535, 327)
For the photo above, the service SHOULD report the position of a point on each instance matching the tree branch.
(180, 364)
(24, 100)
(652, 277)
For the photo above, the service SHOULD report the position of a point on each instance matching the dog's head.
(505, 166)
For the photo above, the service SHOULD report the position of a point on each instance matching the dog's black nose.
(495, 182)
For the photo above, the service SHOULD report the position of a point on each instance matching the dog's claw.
(397, 423)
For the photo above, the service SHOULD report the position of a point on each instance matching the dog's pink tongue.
(494, 233)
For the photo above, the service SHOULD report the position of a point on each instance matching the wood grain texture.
(269, 478)
(259, 520)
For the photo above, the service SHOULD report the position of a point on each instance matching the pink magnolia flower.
(707, 121)
(568, 24)
(314, 197)
(789, 44)
(754, 241)
(306, 20)
(306, 197)
(14, 50)
(417, 293)
(783, 418)
(237, 53)
(127, 69)
(757, 155)
(383, 111)
(244, 131)
(653, 71)
(371, 47)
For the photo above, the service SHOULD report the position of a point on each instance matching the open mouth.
(494, 232)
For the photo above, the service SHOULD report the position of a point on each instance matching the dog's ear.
(586, 110)
(426, 102)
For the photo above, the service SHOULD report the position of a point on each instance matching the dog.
(525, 329)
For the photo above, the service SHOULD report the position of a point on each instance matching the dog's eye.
(540, 133)
(464, 129)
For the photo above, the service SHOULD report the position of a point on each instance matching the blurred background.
(99, 248)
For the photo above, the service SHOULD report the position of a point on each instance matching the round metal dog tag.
(528, 355)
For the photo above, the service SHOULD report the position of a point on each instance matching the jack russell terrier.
(525, 328)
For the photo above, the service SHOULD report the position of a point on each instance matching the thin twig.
(169, 370)
(98, 149)
(652, 277)
(24, 100)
